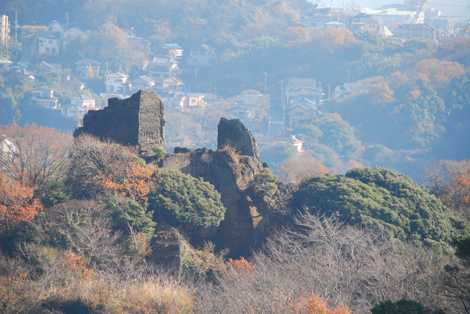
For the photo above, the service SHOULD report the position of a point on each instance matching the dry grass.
(153, 295)
(20, 293)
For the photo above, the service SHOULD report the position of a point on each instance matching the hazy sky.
(449, 7)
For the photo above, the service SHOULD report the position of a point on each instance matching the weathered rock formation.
(138, 121)
(233, 133)
(230, 169)
(135, 121)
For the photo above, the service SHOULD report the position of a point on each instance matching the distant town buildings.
(79, 106)
(174, 51)
(192, 100)
(319, 17)
(45, 98)
(252, 107)
(87, 69)
(49, 42)
(117, 84)
(143, 82)
(303, 99)
(416, 31)
(363, 23)
(201, 57)
(171, 70)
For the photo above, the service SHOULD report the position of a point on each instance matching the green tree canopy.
(383, 201)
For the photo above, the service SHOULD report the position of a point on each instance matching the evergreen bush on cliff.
(183, 200)
(131, 217)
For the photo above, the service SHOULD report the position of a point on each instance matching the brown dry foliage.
(438, 72)
(450, 180)
(330, 37)
(78, 264)
(41, 156)
(341, 264)
(138, 293)
(17, 202)
(98, 167)
(376, 88)
(85, 227)
(241, 265)
(314, 304)
(300, 167)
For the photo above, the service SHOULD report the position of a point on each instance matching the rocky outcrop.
(231, 169)
(135, 121)
(138, 121)
(167, 246)
(234, 134)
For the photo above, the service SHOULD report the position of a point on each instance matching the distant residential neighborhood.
(35, 58)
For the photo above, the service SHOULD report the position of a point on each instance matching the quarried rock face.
(135, 121)
(234, 134)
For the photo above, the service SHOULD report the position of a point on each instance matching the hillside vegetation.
(100, 228)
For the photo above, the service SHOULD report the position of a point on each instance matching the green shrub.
(59, 305)
(402, 307)
(131, 217)
(54, 193)
(265, 187)
(383, 201)
(200, 264)
(159, 152)
(463, 247)
(183, 200)
(20, 236)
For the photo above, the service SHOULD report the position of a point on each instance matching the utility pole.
(265, 82)
(16, 28)
(4, 36)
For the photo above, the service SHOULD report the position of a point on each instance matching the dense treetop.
(383, 201)
(185, 200)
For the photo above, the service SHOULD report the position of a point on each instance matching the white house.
(297, 143)
(79, 106)
(363, 23)
(45, 98)
(174, 51)
(192, 100)
(49, 42)
(117, 83)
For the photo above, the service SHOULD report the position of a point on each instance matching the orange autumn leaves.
(77, 264)
(100, 168)
(240, 265)
(316, 305)
(17, 202)
(135, 182)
